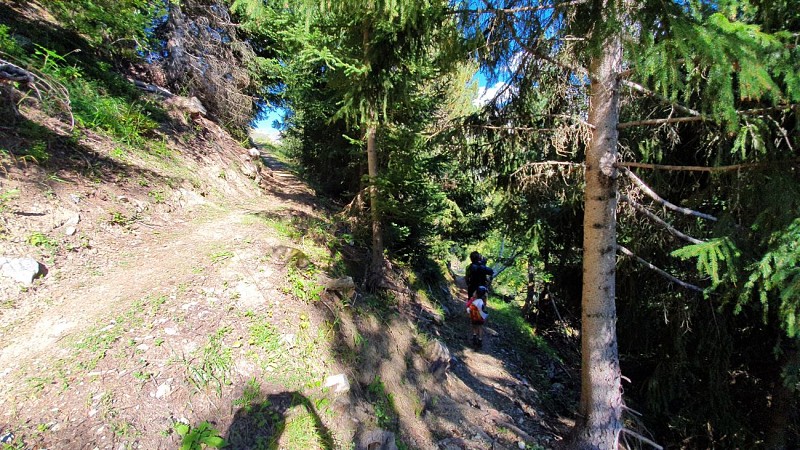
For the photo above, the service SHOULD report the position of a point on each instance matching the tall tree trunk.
(375, 275)
(601, 397)
(530, 291)
(377, 263)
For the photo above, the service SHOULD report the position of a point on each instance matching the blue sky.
(485, 93)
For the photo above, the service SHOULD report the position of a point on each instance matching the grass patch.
(302, 284)
(383, 404)
(97, 344)
(213, 364)
(508, 316)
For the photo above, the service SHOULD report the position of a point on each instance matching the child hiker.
(476, 308)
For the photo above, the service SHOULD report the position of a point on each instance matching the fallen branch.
(672, 230)
(652, 194)
(152, 88)
(525, 436)
(13, 72)
(661, 272)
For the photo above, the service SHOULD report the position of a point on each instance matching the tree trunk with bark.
(601, 398)
(376, 272)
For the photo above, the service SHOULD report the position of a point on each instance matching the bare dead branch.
(672, 230)
(731, 168)
(33, 79)
(661, 272)
(639, 88)
(531, 165)
(697, 118)
(152, 88)
(757, 111)
(642, 438)
(648, 122)
(652, 194)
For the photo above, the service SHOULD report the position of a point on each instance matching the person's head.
(475, 257)
(481, 292)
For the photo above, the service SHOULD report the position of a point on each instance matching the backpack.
(474, 311)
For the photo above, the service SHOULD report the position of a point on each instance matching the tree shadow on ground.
(62, 157)
(261, 425)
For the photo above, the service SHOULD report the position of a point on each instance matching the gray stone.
(376, 440)
(23, 270)
(438, 356)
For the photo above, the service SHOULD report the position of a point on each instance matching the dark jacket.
(477, 275)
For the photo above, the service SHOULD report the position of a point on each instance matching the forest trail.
(126, 319)
(131, 264)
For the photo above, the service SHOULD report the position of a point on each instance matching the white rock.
(73, 220)
(163, 391)
(188, 306)
(521, 445)
(338, 382)
(23, 270)
(170, 331)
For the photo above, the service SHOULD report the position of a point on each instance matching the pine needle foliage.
(722, 61)
(777, 275)
(716, 259)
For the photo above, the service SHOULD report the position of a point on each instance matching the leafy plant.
(38, 239)
(711, 256)
(195, 438)
(221, 256)
(383, 404)
(118, 218)
(157, 196)
(302, 285)
(778, 273)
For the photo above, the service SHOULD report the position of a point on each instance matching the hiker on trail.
(476, 308)
(477, 273)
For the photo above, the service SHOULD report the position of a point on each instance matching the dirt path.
(149, 295)
(129, 265)
(99, 290)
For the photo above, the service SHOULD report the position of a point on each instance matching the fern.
(712, 257)
(778, 273)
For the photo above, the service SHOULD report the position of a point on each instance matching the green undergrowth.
(109, 105)
(509, 317)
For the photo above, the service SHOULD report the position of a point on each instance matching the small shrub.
(157, 196)
(194, 438)
(38, 239)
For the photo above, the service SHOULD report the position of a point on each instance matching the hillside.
(179, 294)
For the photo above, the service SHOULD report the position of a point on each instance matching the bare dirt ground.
(188, 293)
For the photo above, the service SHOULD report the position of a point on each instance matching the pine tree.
(670, 55)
